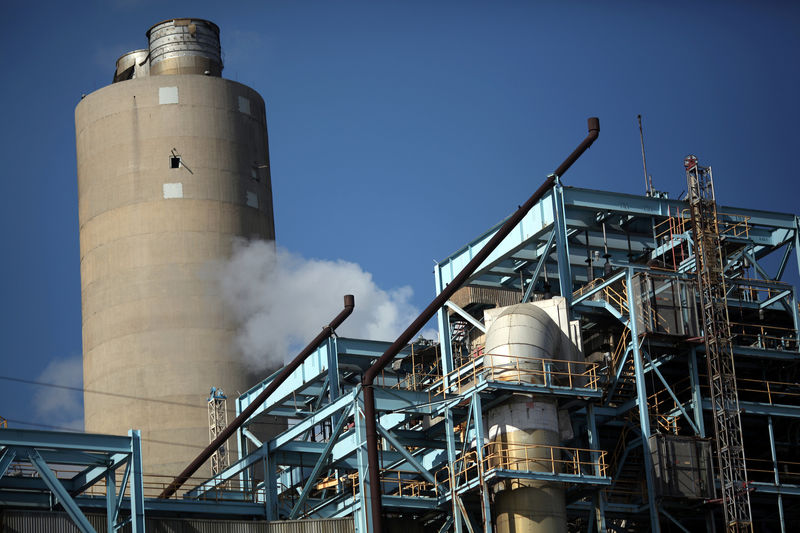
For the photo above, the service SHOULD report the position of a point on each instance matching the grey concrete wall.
(151, 238)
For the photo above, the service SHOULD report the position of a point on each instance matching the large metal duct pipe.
(516, 342)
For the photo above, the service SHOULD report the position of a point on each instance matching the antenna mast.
(648, 181)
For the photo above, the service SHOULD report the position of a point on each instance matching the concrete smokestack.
(173, 165)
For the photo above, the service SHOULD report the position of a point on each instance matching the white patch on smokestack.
(282, 300)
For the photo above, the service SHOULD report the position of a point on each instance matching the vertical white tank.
(173, 165)
(526, 425)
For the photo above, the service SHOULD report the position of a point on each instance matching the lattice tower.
(217, 421)
(719, 349)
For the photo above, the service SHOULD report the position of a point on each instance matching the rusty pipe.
(594, 131)
(349, 304)
(404, 338)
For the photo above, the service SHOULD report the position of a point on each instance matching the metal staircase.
(719, 350)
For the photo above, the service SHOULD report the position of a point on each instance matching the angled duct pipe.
(405, 337)
(327, 331)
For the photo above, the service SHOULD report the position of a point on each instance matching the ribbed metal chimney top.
(185, 46)
(176, 46)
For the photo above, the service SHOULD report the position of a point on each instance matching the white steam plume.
(62, 407)
(282, 300)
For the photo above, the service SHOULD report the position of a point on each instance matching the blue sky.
(398, 130)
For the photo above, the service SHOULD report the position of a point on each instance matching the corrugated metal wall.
(44, 522)
(53, 522)
(331, 525)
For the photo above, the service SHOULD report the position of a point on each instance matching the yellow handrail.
(521, 370)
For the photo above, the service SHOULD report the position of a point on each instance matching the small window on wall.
(244, 105)
(254, 174)
(251, 199)
(174, 161)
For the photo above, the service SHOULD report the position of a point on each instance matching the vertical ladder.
(719, 349)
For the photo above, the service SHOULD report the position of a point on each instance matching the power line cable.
(90, 391)
(73, 430)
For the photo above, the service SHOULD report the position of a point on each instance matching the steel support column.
(446, 354)
(641, 400)
(562, 246)
(451, 460)
(796, 317)
(598, 499)
(477, 413)
(136, 484)
(111, 501)
(446, 350)
(775, 471)
(797, 242)
(270, 487)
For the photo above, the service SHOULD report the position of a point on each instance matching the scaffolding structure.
(660, 321)
(719, 348)
(639, 405)
(217, 421)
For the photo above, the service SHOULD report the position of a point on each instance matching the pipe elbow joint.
(594, 126)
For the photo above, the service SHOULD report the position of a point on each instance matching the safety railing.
(620, 348)
(771, 392)
(765, 391)
(615, 294)
(733, 225)
(152, 484)
(233, 489)
(423, 371)
(619, 447)
(671, 226)
(626, 491)
(402, 483)
(755, 290)
(764, 336)
(419, 378)
(663, 409)
(673, 229)
(763, 470)
(520, 370)
(541, 458)
(531, 458)
(680, 223)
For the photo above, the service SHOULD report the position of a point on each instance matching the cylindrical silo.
(523, 430)
(173, 165)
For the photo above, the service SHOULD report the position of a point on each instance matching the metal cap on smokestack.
(185, 46)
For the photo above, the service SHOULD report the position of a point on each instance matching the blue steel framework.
(426, 421)
(431, 407)
(649, 246)
(91, 458)
(650, 382)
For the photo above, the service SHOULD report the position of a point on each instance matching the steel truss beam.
(101, 454)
